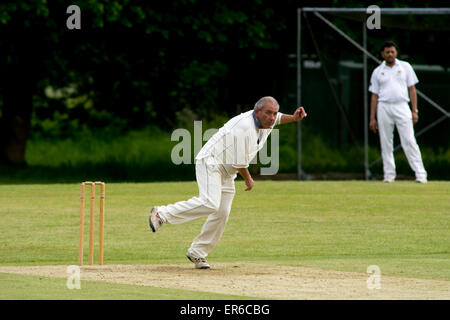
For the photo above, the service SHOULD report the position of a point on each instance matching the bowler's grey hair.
(265, 100)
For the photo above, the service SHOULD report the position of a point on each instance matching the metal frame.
(392, 11)
(388, 11)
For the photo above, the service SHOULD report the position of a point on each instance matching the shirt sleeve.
(278, 119)
(411, 78)
(373, 87)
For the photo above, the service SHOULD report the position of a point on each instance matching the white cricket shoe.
(421, 180)
(200, 263)
(155, 220)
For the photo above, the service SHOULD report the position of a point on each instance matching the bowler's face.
(389, 54)
(267, 115)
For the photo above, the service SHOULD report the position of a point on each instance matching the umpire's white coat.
(391, 86)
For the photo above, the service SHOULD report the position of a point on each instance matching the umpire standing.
(392, 86)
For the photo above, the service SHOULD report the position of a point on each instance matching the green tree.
(132, 61)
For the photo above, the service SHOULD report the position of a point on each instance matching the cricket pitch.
(255, 280)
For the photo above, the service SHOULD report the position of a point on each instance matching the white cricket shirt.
(391, 84)
(237, 142)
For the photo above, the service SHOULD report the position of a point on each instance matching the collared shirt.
(237, 142)
(257, 123)
(391, 84)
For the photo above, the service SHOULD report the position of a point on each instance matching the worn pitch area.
(253, 280)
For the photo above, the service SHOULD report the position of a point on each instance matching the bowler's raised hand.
(299, 114)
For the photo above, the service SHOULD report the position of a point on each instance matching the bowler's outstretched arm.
(298, 115)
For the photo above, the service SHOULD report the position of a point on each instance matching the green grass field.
(402, 227)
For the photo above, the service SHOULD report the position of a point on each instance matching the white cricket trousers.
(216, 193)
(399, 114)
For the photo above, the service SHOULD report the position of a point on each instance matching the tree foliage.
(138, 62)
